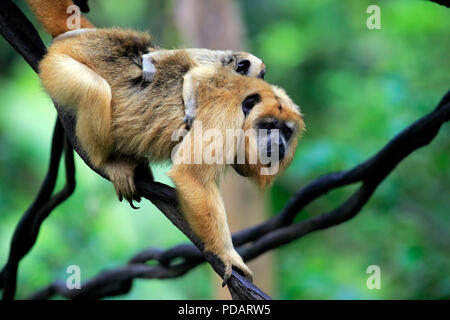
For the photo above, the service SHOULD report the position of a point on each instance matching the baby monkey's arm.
(190, 85)
(190, 80)
(207, 62)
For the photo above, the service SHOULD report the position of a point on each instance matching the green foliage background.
(357, 89)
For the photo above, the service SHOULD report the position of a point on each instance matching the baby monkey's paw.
(189, 120)
(189, 114)
(121, 175)
(149, 74)
(232, 259)
(148, 68)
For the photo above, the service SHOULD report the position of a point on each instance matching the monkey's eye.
(249, 102)
(243, 66)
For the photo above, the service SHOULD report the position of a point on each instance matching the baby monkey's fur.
(123, 120)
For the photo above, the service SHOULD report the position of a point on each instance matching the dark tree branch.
(21, 34)
(251, 242)
(27, 230)
(445, 3)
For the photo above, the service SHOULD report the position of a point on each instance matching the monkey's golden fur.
(121, 120)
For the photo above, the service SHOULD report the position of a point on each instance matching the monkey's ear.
(249, 102)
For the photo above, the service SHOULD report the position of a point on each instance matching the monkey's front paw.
(232, 259)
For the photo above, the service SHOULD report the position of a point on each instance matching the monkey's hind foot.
(232, 259)
(121, 174)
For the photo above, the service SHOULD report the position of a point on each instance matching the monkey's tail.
(58, 16)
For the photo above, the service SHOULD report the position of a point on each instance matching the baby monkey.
(205, 63)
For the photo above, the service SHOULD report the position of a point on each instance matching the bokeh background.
(357, 89)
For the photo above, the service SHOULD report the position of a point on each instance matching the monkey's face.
(272, 127)
(249, 65)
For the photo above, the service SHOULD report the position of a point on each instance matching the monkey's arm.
(203, 208)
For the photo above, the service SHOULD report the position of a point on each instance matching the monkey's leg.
(74, 85)
(203, 208)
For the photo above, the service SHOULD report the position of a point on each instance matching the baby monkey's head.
(246, 64)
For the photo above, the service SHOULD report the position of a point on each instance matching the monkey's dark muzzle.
(276, 148)
(277, 135)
